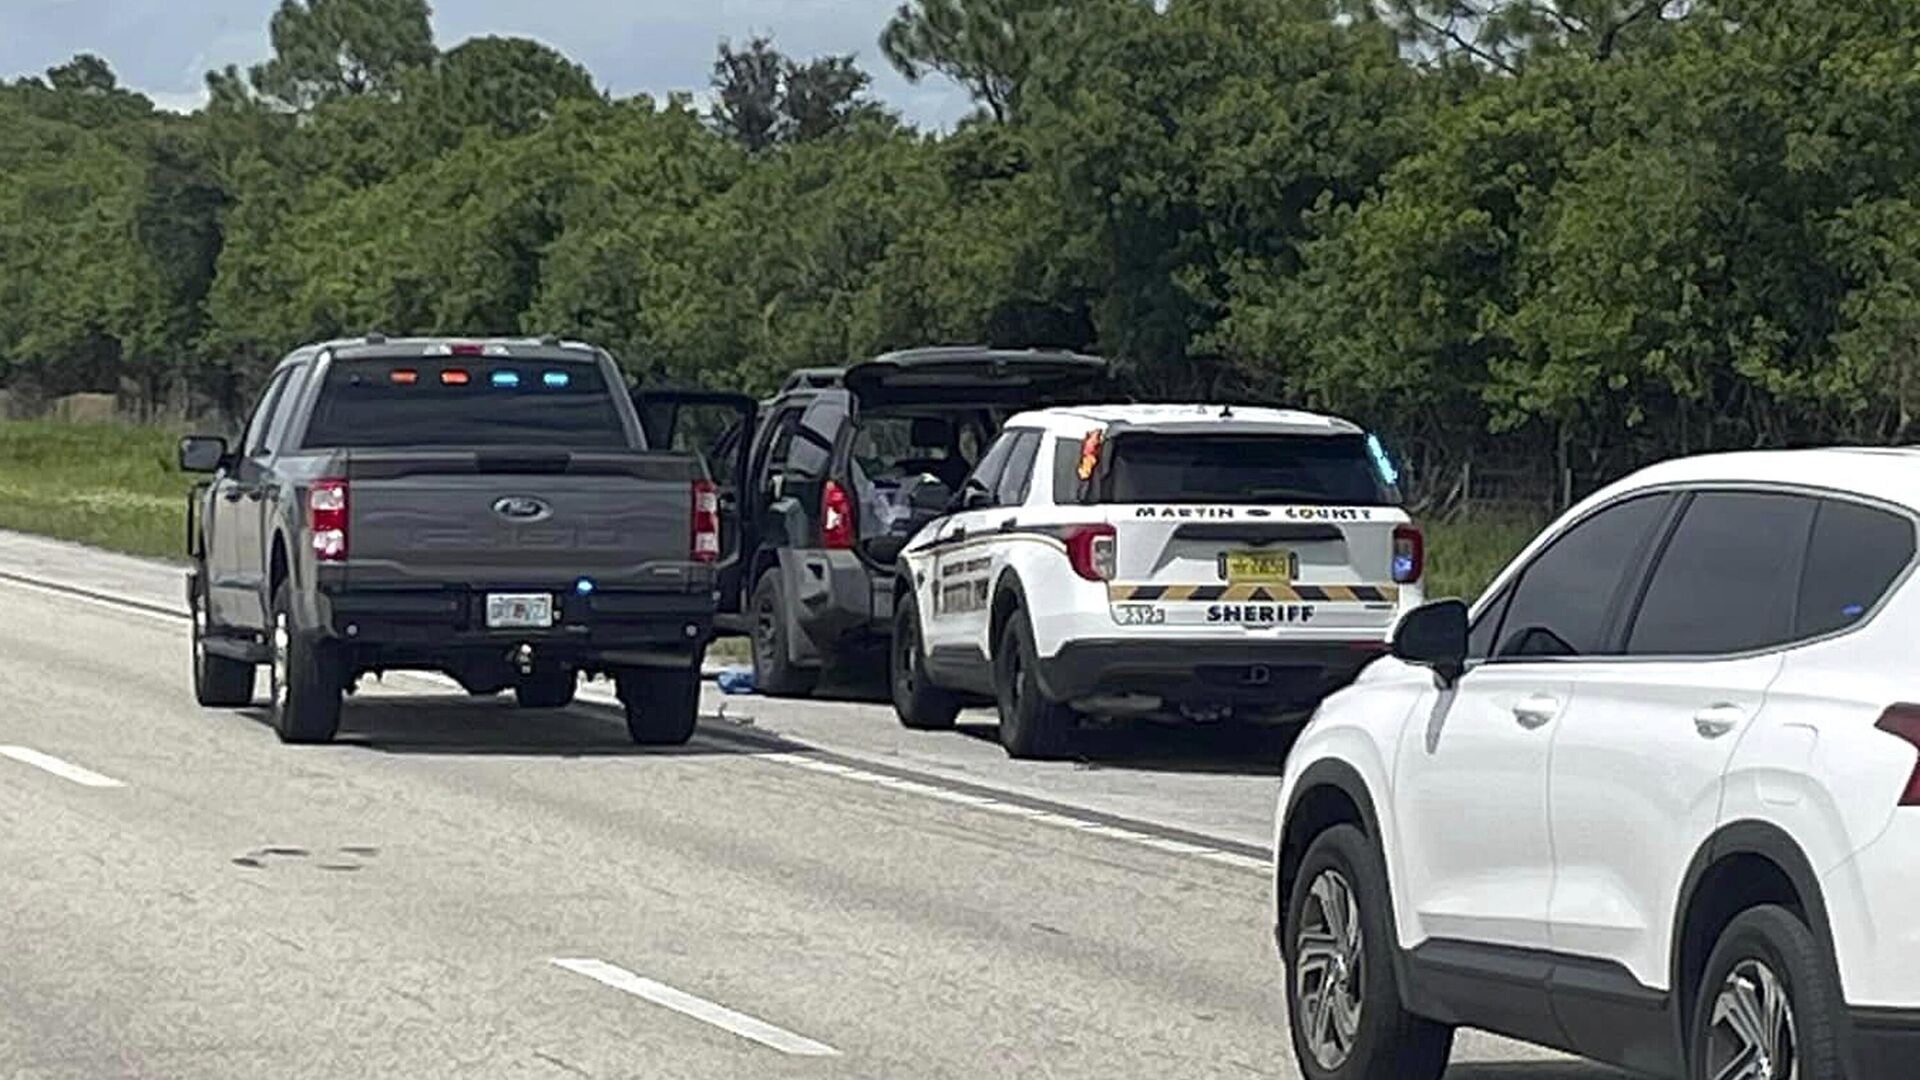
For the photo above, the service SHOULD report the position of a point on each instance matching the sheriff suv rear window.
(380, 403)
(1331, 470)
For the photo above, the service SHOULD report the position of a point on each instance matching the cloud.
(165, 47)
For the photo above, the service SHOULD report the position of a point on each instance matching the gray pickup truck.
(484, 508)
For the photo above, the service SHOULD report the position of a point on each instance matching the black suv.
(840, 468)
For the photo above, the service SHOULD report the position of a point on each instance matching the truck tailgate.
(534, 518)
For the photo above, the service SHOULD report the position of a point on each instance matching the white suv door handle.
(1716, 720)
(1536, 711)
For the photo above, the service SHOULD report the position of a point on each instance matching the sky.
(164, 47)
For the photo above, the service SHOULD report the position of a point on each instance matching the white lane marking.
(108, 604)
(65, 770)
(701, 1009)
(1030, 813)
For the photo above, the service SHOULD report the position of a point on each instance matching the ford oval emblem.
(522, 508)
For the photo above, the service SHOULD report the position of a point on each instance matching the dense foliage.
(1584, 231)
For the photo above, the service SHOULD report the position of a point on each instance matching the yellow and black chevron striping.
(1272, 594)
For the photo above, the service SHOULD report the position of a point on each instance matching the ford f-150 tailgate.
(528, 517)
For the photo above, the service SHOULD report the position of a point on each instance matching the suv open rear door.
(718, 427)
(1014, 378)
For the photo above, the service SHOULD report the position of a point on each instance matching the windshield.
(1333, 470)
(406, 402)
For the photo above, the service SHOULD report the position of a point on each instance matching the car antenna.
(1226, 412)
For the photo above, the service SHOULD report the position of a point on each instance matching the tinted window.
(986, 475)
(1561, 604)
(255, 438)
(811, 450)
(1325, 470)
(1019, 473)
(1857, 552)
(1725, 583)
(1480, 637)
(406, 402)
(283, 409)
(1066, 471)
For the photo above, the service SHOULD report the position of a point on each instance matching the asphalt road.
(463, 889)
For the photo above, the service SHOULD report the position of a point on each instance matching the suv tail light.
(1409, 555)
(327, 519)
(706, 522)
(1093, 550)
(836, 518)
(1903, 722)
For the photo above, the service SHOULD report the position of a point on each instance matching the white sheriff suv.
(1653, 801)
(1204, 562)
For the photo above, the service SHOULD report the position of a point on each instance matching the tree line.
(1567, 234)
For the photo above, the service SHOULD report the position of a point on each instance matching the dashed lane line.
(699, 1008)
(65, 770)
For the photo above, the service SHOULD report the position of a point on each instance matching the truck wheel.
(218, 682)
(662, 705)
(1031, 727)
(774, 674)
(920, 705)
(305, 679)
(547, 689)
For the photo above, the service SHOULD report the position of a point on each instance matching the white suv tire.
(1343, 999)
(1768, 992)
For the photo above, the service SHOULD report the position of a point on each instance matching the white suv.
(1182, 561)
(1653, 802)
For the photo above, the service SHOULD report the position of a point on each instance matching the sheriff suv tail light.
(706, 522)
(836, 518)
(1409, 555)
(1092, 549)
(327, 519)
(1903, 722)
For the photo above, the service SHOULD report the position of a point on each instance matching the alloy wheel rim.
(281, 640)
(903, 661)
(763, 631)
(1329, 954)
(1752, 1035)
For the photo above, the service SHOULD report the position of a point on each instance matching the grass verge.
(109, 485)
(1465, 551)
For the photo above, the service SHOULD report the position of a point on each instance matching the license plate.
(519, 611)
(1259, 566)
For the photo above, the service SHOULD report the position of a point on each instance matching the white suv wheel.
(1752, 1035)
(1331, 949)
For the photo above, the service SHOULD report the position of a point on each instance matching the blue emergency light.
(506, 379)
(556, 379)
(1388, 474)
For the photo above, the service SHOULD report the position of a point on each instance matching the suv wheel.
(774, 674)
(662, 705)
(305, 679)
(1031, 727)
(920, 705)
(547, 689)
(218, 682)
(1341, 995)
(1767, 1003)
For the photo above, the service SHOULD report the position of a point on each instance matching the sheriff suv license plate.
(519, 611)
(1259, 567)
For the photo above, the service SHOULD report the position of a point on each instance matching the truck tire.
(918, 703)
(774, 673)
(662, 705)
(218, 682)
(1031, 727)
(547, 689)
(306, 678)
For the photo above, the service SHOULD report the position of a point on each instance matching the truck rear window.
(372, 403)
(1331, 470)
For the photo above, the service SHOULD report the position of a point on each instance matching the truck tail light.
(327, 519)
(1093, 551)
(1903, 722)
(836, 518)
(706, 522)
(1409, 555)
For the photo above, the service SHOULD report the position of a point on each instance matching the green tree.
(327, 49)
(747, 88)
